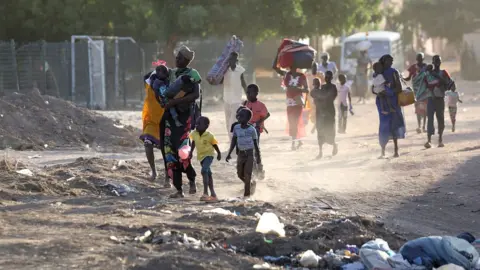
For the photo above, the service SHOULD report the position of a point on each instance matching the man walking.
(233, 87)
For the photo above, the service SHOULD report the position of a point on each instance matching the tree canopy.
(170, 20)
(448, 19)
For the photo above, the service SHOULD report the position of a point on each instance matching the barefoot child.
(205, 143)
(452, 99)
(344, 106)
(246, 140)
(260, 114)
(324, 98)
(379, 84)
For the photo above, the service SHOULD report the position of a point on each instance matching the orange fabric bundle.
(152, 114)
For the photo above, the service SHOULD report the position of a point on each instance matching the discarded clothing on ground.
(436, 251)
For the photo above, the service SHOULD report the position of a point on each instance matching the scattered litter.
(220, 211)
(309, 259)
(262, 266)
(270, 224)
(379, 244)
(45, 145)
(119, 189)
(144, 237)
(115, 239)
(34, 156)
(56, 204)
(268, 241)
(282, 260)
(450, 267)
(118, 126)
(121, 164)
(166, 211)
(71, 178)
(239, 199)
(353, 266)
(26, 172)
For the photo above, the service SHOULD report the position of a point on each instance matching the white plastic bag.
(220, 211)
(269, 223)
(309, 259)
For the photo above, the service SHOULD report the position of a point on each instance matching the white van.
(383, 42)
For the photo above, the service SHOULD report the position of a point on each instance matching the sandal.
(204, 198)
(211, 199)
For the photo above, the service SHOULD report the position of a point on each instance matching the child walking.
(379, 84)
(259, 110)
(259, 115)
(206, 144)
(324, 98)
(344, 106)
(246, 140)
(452, 99)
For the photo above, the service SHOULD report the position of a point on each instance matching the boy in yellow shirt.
(206, 144)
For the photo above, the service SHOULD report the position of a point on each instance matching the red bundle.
(293, 53)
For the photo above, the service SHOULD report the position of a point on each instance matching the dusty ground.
(63, 216)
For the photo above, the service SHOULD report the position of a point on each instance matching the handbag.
(406, 96)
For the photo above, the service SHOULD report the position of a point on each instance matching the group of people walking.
(433, 86)
(173, 123)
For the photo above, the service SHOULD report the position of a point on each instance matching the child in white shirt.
(344, 105)
(452, 99)
(379, 88)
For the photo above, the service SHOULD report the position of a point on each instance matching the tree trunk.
(169, 55)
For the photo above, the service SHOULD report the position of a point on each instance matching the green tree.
(448, 19)
(171, 20)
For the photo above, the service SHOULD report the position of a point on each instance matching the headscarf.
(187, 53)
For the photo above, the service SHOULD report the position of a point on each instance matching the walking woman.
(416, 75)
(439, 81)
(152, 114)
(392, 124)
(175, 138)
(297, 86)
(361, 76)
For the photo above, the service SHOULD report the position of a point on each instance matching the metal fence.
(48, 67)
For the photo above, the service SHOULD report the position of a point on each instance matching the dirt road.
(423, 192)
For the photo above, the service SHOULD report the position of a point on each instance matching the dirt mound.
(92, 176)
(33, 121)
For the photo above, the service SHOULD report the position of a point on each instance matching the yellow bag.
(406, 97)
